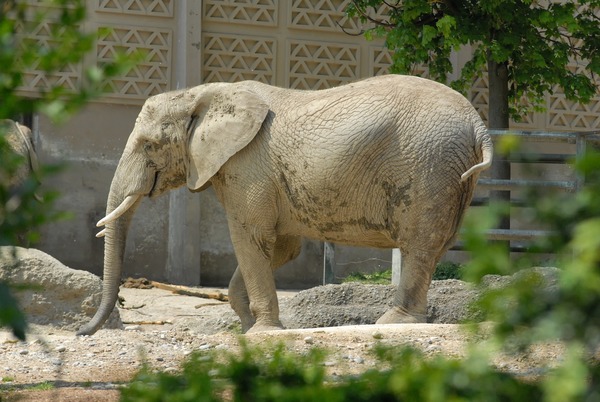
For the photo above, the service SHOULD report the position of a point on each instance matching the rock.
(53, 293)
(449, 301)
(336, 305)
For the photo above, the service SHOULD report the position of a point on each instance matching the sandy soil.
(162, 328)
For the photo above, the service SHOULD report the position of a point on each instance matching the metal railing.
(580, 139)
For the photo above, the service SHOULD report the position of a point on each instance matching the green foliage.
(274, 374)
(536, 41)
(25, 207)
(414, 377)
(10, 315)
(448, 270)
(255, 374)
(569, 311)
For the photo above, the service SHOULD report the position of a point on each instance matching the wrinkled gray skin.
(20, 140)
(386, 162)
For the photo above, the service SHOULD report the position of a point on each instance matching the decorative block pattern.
(528, 122)
(35, 79)
(479, 96)
(150, 8)
(563, 114)
(380, 60)
(319, 65)
(149, 77)
(255, 12)
(420, 70)
(231, 58)
(323, 15)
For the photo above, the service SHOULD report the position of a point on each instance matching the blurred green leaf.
(10, 314)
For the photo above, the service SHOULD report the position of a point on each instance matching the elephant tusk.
(118, 211)
(101, 233)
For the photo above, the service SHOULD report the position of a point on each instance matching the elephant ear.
(224, 124)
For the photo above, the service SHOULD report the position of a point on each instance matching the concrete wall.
(182, 237)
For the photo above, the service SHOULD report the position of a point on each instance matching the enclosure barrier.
(580, 139)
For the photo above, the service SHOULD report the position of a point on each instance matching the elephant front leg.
(254, 250)
(410, 299)
(286, 248)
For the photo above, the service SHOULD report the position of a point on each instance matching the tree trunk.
(498, 119)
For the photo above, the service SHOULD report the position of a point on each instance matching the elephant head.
(180, 137)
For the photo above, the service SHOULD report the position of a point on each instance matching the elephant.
(20, 140)
(385, 162)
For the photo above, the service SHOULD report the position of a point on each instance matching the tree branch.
(366, 16)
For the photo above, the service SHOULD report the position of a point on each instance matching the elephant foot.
(246, 325)
(258, 327)
(397, 315)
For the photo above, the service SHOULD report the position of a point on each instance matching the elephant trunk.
(115, 236)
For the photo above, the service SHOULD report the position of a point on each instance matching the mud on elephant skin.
(386, 162)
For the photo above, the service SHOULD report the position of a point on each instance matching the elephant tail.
(487, 150)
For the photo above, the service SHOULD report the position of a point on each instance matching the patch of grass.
(448, 270)
(7, 379)
(444, 270)
(376, 278)
(43, 386)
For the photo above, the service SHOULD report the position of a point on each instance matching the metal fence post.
(396, 266)
(328, 262)
(580, 145)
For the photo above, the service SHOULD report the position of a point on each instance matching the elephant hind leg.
(410, 299)
(239, 300)
(286, 248)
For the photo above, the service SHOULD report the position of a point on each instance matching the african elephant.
(20, 140)
(386, 162)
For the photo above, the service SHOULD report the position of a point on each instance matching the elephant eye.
(148, 146)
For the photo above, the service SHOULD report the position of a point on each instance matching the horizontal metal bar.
(593, 138)
(518, 248)
(500, 184)
(514, 202)
(516, 234)
(558, 136)
(522, 157)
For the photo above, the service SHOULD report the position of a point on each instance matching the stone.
(51, 293)
(449, 301)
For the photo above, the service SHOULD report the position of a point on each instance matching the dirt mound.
(450, 301)
(357, 304)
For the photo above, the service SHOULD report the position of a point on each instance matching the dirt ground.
(162, 328)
